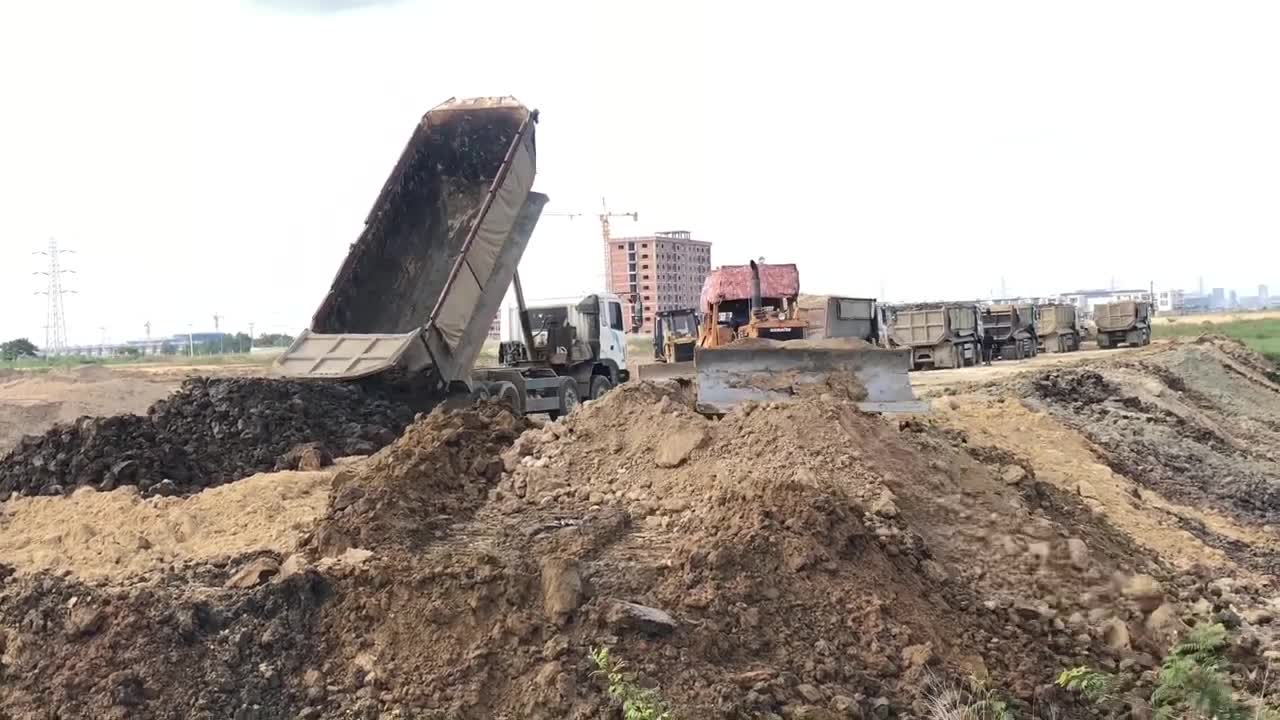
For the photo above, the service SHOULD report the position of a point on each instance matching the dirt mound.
(1197, 422)
(210, 432)
(791, 560)
(32, 402)
(116, 536)
(436, 473)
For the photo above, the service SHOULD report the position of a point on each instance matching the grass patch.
(65, 362)
(1263, 335)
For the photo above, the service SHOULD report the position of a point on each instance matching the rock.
(880, 708)
(810, 693)
(84, 621)
(973, 666)
(884, 505)
(627, 616)
(1164, 624)
(561, 588)
(1013, 474)
(752, 677)
(1228, 618)
(164, 488)
(807, 712)
(1116, 635)
(1257, 616)
(1145, 592)
(291, 566)
(845, 707)
(678, 445)
(254, 573)
(934, 571)
(1039, 550)
(917, 656)
(1077, 553)
(1202, 607)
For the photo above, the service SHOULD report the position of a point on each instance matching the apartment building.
(663, 271)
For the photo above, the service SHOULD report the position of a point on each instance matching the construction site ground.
(784, 561)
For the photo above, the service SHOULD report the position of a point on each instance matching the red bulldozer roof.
(733, 282)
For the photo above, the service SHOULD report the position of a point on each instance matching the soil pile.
(1198, 423)
(113, 537)
(210, 432)
(32, 402)
(797, 560)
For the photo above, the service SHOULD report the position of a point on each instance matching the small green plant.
(637, 703)
(1192, 681)
(1096, 685)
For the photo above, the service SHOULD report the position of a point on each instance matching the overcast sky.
(206, 157)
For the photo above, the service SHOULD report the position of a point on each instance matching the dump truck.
(1127, 322)
(938, 335)
(754, 346)
(843, 317)
(1057, 329)
(417, 292)
(1010, 331)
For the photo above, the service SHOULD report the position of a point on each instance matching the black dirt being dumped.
(210, 432)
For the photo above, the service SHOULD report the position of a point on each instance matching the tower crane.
(605, 216)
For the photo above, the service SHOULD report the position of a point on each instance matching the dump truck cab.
(584, 340)
(675, 335)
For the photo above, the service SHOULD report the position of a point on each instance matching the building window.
(620, 246)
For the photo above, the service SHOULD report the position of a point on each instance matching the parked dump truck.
(1010, 331)
(942, 335)
(1127, 322)
(1057, 328)
(830, 316)
(419, 288)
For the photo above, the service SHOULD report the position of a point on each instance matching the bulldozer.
(753, 347)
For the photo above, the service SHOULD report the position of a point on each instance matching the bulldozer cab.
(674, 335)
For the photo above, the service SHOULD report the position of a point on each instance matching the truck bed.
(421, 285)
(396, 270)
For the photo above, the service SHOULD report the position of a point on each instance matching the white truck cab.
(586, 340)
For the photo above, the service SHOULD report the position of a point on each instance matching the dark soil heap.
(1197, 422)
(210, 432)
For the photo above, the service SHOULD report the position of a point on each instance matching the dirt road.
(933, 379)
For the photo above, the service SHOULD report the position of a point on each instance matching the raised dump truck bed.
(421, 285)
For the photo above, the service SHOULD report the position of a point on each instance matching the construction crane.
(605, 215)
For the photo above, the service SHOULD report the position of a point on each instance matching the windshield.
(680, 325)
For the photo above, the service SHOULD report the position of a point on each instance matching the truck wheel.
(599, 386)
(508, 395)
(568, 395)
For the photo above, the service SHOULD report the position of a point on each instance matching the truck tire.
(599, 386)
(568, 396)
(507, 394)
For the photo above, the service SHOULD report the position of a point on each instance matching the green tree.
(18, 348)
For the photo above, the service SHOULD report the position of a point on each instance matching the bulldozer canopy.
(733, 282)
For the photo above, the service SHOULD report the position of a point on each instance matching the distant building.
(1263, 296)
(1170, 301)
(1219, 299)
(1197, 303)
(1086, 300)
(1233, 300)
(657, 272)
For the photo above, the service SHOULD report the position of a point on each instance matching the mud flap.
(873, 378)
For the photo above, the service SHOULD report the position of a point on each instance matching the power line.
(55, 333)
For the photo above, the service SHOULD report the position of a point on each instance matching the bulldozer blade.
(874, 378)
(665, 370)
